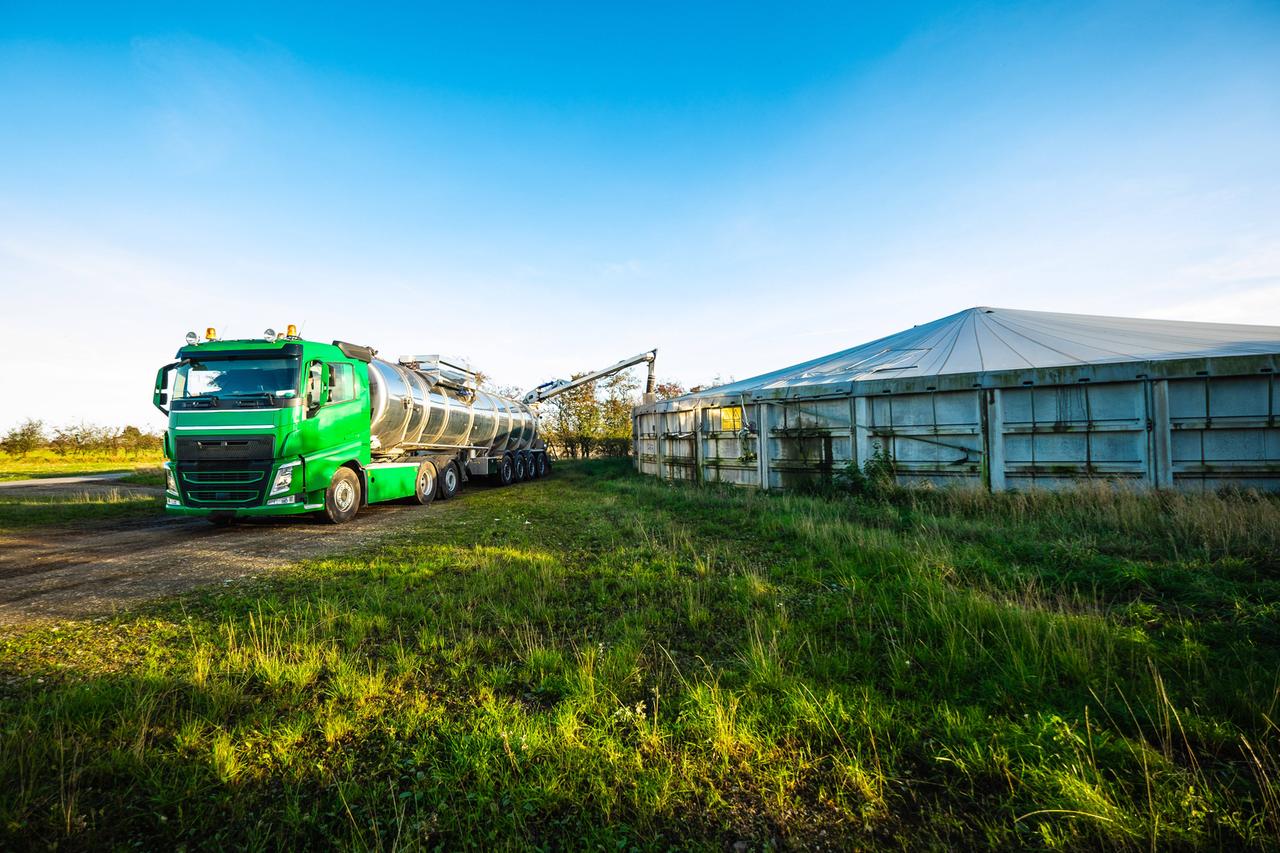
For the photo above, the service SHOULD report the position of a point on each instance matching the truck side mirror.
(160, 394)
(317, 389)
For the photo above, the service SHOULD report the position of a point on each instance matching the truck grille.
(246, 447)
(223, 484)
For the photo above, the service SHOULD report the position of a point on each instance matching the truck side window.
(342, 382)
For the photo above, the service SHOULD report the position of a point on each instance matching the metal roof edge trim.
(1104, 372)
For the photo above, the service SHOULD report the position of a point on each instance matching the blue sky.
(547, 188)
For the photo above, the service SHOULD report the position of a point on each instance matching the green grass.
(608, 662)
(45, 463)
(18, 513)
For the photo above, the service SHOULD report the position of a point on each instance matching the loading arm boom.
(547, 390)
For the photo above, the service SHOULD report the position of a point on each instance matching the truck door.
(342, 417)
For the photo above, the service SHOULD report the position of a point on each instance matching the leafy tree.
(136, 442)
(574, 420)
(595, 419)
(615, 413)
(24, 438)
(668, 389)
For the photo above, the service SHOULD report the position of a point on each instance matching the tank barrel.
(429, 403)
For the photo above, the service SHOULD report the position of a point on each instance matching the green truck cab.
(275, 427)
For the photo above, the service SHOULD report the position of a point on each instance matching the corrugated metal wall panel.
(1057, 435)
(1215, 431)
(1225, 432)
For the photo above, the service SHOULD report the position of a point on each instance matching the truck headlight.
(284, 478)
(170, 481)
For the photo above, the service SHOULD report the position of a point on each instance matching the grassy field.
(19, 513)
(608, 662)
(46, 463)
(24, 512)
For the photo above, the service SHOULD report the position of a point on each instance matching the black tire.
(522, 467)
(533, 464)
(342, 498)
(425, 486)
(450, 482)
(540, 459)
(506, 471)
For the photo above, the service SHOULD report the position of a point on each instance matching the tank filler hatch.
(451, 373)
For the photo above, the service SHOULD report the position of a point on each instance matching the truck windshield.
(236, 377)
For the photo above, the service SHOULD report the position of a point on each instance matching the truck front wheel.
(342, 498)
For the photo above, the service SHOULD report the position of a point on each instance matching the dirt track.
(50, 574)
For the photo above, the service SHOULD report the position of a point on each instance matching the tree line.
(595, 419)
(81, 439)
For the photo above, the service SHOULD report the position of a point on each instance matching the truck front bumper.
(303, 502)
(297, 507)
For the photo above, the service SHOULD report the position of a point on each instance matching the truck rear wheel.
(506, 470)
(425, 487)
(533, 464)
(342, 498)
(541, 461)
(450, 481)
(522, 467)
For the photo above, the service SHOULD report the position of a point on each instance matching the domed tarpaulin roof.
(985, 340)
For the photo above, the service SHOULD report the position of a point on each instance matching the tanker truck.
(279, 425)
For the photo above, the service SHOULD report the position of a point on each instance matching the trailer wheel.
(425, 489)
(522, 467)
(342, 498)
(450, 481)
(506, 470)
(533, 464)
(543, 467)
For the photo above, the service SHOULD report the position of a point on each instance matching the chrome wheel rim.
(426, 482)
(344, 496)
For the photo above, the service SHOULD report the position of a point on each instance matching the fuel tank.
(414, 408)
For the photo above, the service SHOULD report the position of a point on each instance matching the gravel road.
(48, 574)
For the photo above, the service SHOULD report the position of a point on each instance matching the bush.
(877, 476)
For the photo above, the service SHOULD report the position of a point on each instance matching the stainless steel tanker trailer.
(279, 425)
(427, 405)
